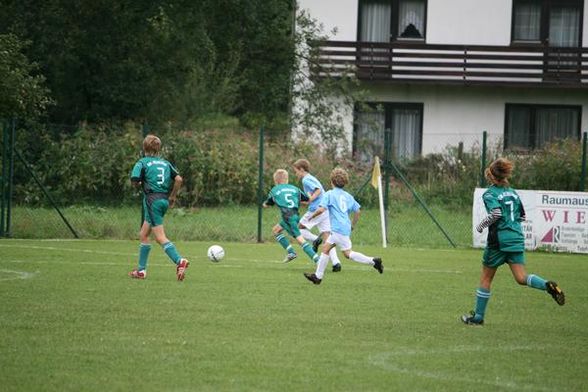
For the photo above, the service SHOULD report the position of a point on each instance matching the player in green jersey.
(287, 197)
(506, 242)
(160, 183)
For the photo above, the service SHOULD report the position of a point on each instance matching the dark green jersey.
(506, 233)
(156, 174)
(287, 197)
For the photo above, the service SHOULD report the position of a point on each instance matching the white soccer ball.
(216, 253)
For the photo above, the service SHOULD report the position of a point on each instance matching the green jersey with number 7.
(506, 234)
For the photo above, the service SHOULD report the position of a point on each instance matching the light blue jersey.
(340, 204)
(309, 185)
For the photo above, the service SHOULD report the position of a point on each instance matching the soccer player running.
(160, 182)
(315, 191)
(339, 203)
(287, 197)
(506, 242)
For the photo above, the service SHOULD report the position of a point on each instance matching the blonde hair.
(339, 177)
(151, 145)
(302, 164)
(281, 176)
(499, 171)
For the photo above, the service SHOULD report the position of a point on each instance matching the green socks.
(171, 252)
(144, 250)
(482, 297)
(536, 282)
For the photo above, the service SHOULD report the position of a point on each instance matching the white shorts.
(322, 221)
(342, 241)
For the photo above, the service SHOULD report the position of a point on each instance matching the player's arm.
(494, 215)
(178, 180)
(355, 218)
(319, 211)
(304, 199)
(137, 175)
(268, 202)
(316, 193)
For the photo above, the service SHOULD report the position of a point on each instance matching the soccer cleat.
(470, 319)
(181, 269)
(337, 267)
(312, 278)
(289, 257)
(316, 243)
(136, 274)
(378, 265)
(556, 293)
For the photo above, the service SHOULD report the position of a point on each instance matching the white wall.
(469, 22)
(452, 113)
(341, 14)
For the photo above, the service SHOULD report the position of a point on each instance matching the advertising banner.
(556, 221)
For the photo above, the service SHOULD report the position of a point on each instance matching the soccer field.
(71, 320)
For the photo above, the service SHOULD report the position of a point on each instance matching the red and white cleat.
(136, 274)
(181, 269)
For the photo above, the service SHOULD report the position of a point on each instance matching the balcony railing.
(464, 64)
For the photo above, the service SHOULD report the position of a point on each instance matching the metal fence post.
(583, 173)
(11, 143)
(260, 186)
(4, 178)
(483, 159)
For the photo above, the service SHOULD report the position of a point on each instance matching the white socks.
(361, 258)
(333, 256)
(321, 266)
(308, 235)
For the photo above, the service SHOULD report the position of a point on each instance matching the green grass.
(71, 320)
(408, 224)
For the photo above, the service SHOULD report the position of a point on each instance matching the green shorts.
(291, 225)
(154, 214)
(494, 258)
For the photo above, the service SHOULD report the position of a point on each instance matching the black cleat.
(337, 267)
(555, 291)
(316, 243)
(312, 278)
(378, 265)
(469, 319)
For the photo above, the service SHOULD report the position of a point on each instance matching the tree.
(23, 92)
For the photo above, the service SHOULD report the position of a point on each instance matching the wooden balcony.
(406, 62)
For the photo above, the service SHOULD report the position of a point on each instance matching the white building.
(446, 70)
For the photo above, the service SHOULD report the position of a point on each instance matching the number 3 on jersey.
(161, 175)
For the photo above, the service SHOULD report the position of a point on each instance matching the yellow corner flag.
(376, 173)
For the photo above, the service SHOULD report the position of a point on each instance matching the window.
(531, 126)
(386, 20)
(556, 23)
(392, 130)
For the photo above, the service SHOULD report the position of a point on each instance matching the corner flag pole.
(377, 183)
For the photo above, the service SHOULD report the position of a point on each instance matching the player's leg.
(492, 259)
(321, 266)
(280, 236)
(324, 225)
(520, 274)
(358, 257)
(294, 231)
(305, 225)
(158, 211)
(307, 248)
(144, 249)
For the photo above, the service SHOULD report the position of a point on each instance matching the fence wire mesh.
(85, 171)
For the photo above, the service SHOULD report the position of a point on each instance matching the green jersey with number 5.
(506, 233)
(287, 197)
(156, 174)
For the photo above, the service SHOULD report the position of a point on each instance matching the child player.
(160, 183)
(287, 197)
(506, 242)
(315, 191)
(339, 204)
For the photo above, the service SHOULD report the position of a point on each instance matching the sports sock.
(282, 240)
(321, 266)
(307, 248)
(144, 250)
(333, 256)
(536, 282)
(482, 297)
(308, 235)
(361, 258)
(170, 250)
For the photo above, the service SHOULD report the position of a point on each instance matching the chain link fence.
(68, 182)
